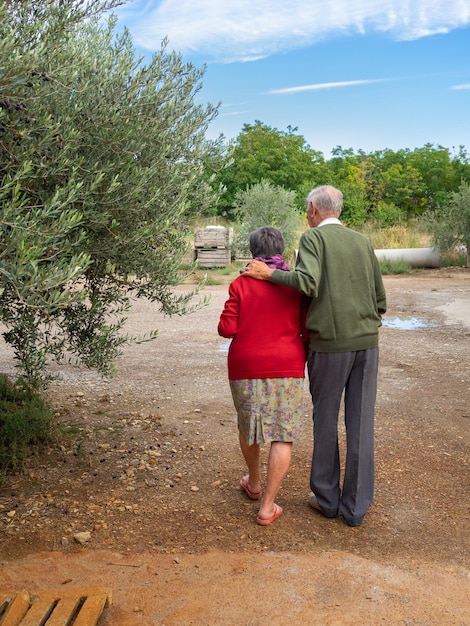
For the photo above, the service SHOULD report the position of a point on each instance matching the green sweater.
(338, 269)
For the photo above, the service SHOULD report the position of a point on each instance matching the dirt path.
(151, 466)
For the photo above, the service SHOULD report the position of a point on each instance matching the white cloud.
(319, 86)
(461, 86)
(250, 29)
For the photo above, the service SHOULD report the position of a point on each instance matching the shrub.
(449, 224)
(263, 204)
(25, 422)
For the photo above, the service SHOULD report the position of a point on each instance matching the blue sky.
(361, 74)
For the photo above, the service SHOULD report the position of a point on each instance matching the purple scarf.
(275, 262)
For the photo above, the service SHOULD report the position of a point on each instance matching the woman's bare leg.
(278, 464)
(251, 455)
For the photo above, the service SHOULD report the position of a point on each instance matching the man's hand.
(258, 270)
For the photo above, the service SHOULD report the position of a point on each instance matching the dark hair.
(266, 241)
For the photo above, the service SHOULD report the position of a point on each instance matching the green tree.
(349, 176)
(263, 204)
(101, 164)
(437, 171)
(450, 223)
(410, 181)
(461, 164)
(403, 187)
(280, 157)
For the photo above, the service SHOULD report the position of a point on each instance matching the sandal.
(253, 495)
(276, 513)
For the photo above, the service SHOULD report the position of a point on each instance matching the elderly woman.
(266, 369)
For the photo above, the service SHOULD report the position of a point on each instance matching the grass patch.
(459, 260)
(398, 266)
(219, 275)
(410, 235)
(211, 279)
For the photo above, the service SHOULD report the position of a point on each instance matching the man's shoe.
(312, 500)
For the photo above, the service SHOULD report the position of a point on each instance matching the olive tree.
(265, 204)
(450, 223)
(101, 167)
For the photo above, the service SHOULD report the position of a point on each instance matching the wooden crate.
(213, 237)
(215, 257)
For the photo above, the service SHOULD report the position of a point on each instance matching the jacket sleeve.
(308, 268)
(228, 322)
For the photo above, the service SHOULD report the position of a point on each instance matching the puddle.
(408, 323)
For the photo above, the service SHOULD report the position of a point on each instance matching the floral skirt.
(269, 409)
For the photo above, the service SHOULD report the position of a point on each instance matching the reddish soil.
(148, 464)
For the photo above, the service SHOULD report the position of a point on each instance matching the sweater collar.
(329, 220)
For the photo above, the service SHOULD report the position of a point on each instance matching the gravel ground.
(141, 494)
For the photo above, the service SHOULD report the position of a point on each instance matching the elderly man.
(337, 268)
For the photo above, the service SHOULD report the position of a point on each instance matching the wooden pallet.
(56, 607)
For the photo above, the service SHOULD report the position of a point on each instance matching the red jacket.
(266, 322)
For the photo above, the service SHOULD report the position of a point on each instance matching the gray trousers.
(330, 374)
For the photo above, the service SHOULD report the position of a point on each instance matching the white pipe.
(415, 257)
